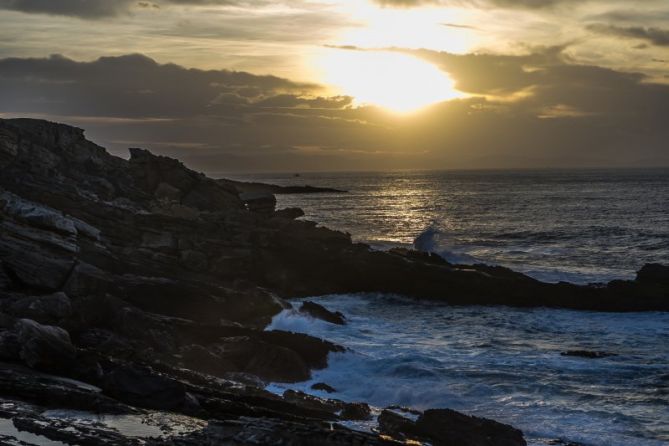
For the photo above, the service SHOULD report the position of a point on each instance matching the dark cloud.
(132, 86)
(77, 8)
(655, 36)
(538, 109)
(96, 9)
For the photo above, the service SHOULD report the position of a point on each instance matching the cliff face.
(117, 272)
(170, 239)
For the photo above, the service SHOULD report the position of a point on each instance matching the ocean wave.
(502, 363)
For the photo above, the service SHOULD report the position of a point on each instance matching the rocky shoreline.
(141, 289)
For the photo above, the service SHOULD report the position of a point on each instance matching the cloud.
(511, 4)
(97, 9)
(92, 9)
(537, 109)
(655, 36)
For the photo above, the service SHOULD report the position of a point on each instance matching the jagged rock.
(145, 388)
(397, 426)
(654, 273)
(448, 427)
(320, 312)
(55, 392)
(289, 213)
(445, 427)
(343, 410)
(254, 187)
(167, 192)
(39, 270)
(49, 309)
(268, 361)
(194, 260)
(6, 282)
(324, 387)
(587, 354)
(252, 431)
(260, 202)
(156, 173)
(9, 346)
(44, 347)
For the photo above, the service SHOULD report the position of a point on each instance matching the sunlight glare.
(392, 80)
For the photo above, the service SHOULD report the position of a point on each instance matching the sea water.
(580, 226)
(575, 225)
(502, 363)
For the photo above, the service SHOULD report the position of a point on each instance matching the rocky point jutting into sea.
(137, 292)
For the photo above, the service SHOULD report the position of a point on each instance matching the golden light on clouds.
(394, 81)
(444, 29)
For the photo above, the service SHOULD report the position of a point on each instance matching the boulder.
(140, 386)
(260, 202)
(320, 312)
(9, 346)
(587, 354)
(653, 273)
(5, 281)
(340, 409)
(44, 347)
(323, 387)
(289, 213)
(267, 361)
(447, 427)
(49, 309)
(396, 425)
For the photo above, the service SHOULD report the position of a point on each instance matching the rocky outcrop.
(262, 188)
(443, 427)
(44, 347)
(151, 285)
(320, 312)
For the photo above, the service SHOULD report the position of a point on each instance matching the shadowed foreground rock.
(146, 286)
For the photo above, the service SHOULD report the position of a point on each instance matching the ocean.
(574, 225)
(580, 226)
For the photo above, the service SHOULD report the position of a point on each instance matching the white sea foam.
(502, 363)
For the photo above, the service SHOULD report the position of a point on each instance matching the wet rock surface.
(320, 312)
(138, 286)
(443, 427)
(587, 354)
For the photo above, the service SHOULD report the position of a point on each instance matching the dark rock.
(396, 426)
(653, 273)
(320, 312)
(19, 382)
(356, 411)
(49, 309)
(314, 352)
(324, 387)
(140, 386)
(44, 347)
(587, 354)
(6, 282)
(168, 178)
(9, 346)
(254, 187)
(252, 431)
(289, 213)
(447, 427)
(262, 203)
(340, 409)
(267, 361)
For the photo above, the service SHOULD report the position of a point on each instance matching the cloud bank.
(532, 110)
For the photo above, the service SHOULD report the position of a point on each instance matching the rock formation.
(150, 285)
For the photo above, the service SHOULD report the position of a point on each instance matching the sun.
(392, 80)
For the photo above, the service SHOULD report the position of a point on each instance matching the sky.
(324, 85)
